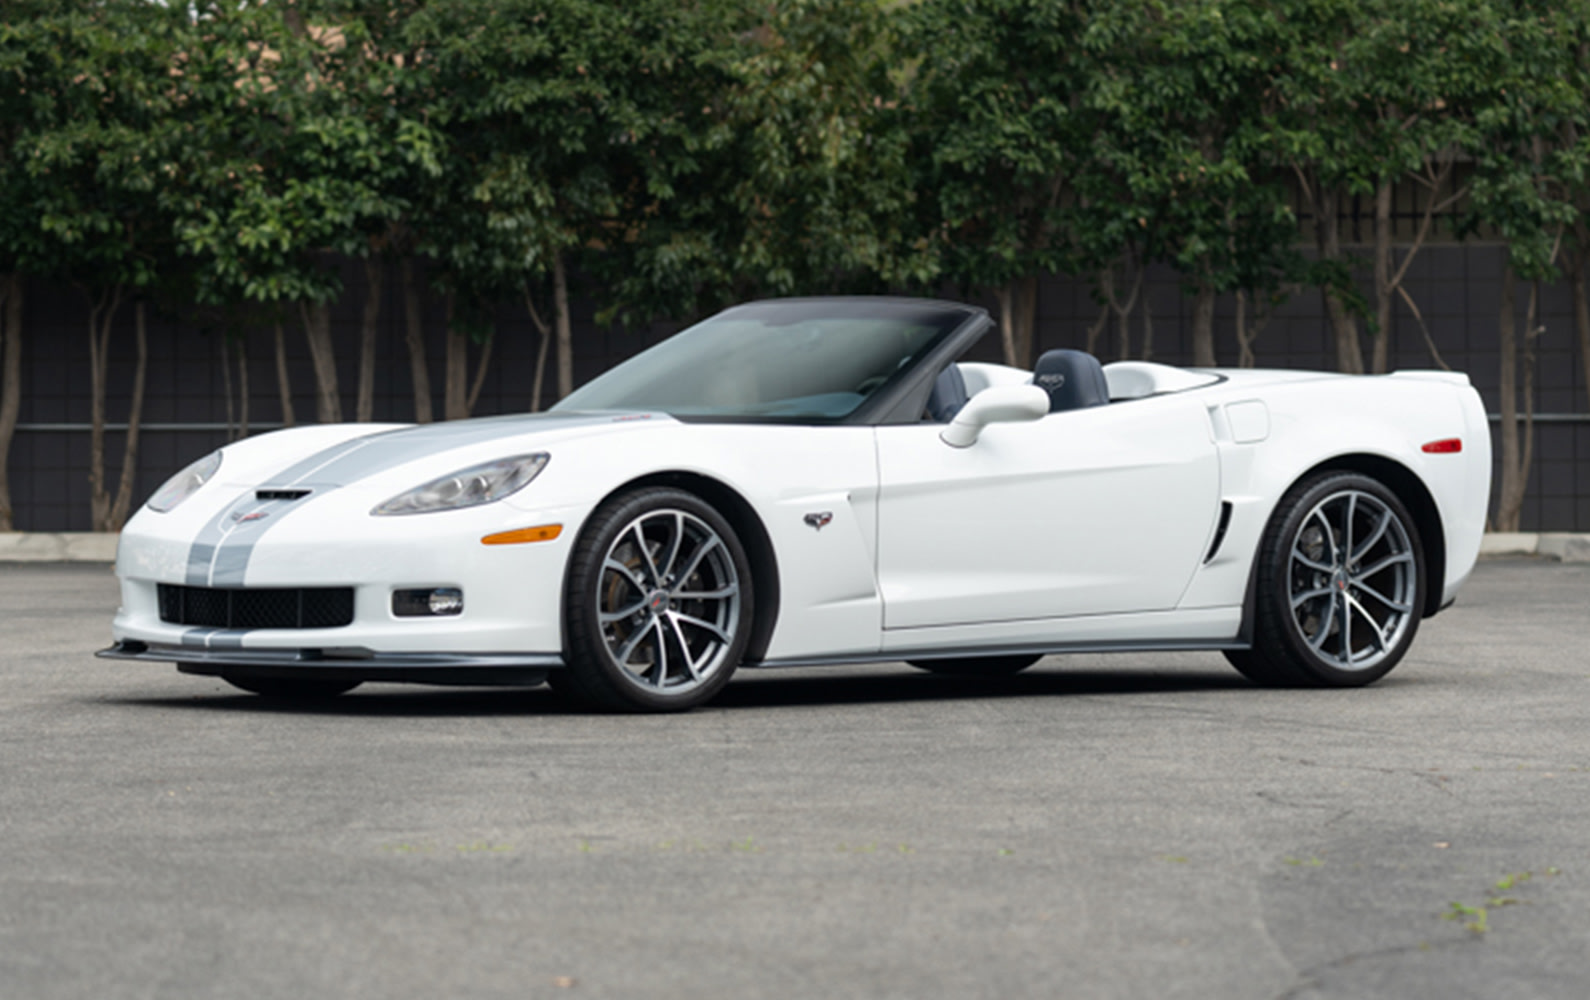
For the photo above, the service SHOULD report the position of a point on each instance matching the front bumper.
(347, 664)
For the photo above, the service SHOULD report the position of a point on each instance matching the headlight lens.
(185, 483)
(471, 487)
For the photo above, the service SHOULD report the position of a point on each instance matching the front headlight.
(185, 483)
(478, 484)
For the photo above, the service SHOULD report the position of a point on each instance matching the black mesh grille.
(294, 607)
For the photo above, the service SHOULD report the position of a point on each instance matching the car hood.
(356, 459)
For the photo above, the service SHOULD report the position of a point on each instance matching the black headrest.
(1073, 380)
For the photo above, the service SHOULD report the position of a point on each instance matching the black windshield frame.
(949, 329)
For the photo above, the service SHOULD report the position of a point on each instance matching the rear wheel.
(289, 688)
(1341, 586)
(658, 605)
(977, 666)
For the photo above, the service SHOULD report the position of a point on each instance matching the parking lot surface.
(1128, 826)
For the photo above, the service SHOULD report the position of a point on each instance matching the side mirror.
(995, 405)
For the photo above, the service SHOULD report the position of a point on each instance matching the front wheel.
(658, 603)
(1341, 586)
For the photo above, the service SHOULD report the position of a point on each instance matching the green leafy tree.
(793, 180)
(997, 93)
(1178, 162)
(1524, 178)
(292, 160)
(98, 136)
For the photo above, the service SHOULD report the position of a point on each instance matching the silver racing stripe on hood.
(220, 553)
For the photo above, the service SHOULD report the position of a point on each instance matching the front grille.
(289, 607)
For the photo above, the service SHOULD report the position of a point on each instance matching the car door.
(1096, 511)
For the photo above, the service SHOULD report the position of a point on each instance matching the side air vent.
(1220, 531)
(280, 494)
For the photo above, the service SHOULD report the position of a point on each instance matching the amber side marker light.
(543, 533)
(1450, 446)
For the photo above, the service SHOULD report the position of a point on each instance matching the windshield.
(800, 361)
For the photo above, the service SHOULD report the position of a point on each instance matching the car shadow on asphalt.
(750, 690)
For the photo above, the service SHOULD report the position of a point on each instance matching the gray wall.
(1457, 288)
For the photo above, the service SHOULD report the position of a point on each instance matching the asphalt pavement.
(1131, 826)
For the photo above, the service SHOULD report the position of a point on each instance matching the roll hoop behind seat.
(1074, 380)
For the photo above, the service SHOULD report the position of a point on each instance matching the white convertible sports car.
(816, 481)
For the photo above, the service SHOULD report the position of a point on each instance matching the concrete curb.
(1562, 546)
(96, 547)
(64, 546)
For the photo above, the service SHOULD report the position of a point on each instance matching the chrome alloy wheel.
(668, 601)
(1352, 580)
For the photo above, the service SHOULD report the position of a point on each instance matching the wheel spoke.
(675, 544)
(1317, 643)
(645, 553)
(662, 652)
(717, 633)
(617, 567)
(1309, 595)
(707, 595)
(1391, 560)
(1380, 530)
(1346, 629)
(1333, 550)
(628, 649)
(1375, 630)
(684, 646)
(707, 545)
(608, 617)
(1347, 527)
(1318, 567)
(1364, 588)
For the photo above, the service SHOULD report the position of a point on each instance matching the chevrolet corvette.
(818, 481)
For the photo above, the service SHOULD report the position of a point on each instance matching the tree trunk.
(101, 313)
(10, 388)
(242, 382)
(227, 394)
(455, 370)
(284, 385)
(1344, 325)
(374, 278)
(1018, 314)
(1515, 453)
(1203, 332)
(1380, 342)
(482, 364)
(1581, 322)
(135, 416)
(541, 349)
(323, 357)
(414, 337)
(565, 326)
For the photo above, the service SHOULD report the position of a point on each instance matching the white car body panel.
(1007, 530)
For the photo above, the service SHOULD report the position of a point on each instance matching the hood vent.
(269, 494)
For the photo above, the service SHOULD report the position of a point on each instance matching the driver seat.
(1074, 380)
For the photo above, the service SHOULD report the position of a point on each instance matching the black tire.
(289, 688)
(1340, 587)
(977, 666)
(658, 604)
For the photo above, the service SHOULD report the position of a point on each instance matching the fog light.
(427, 602)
